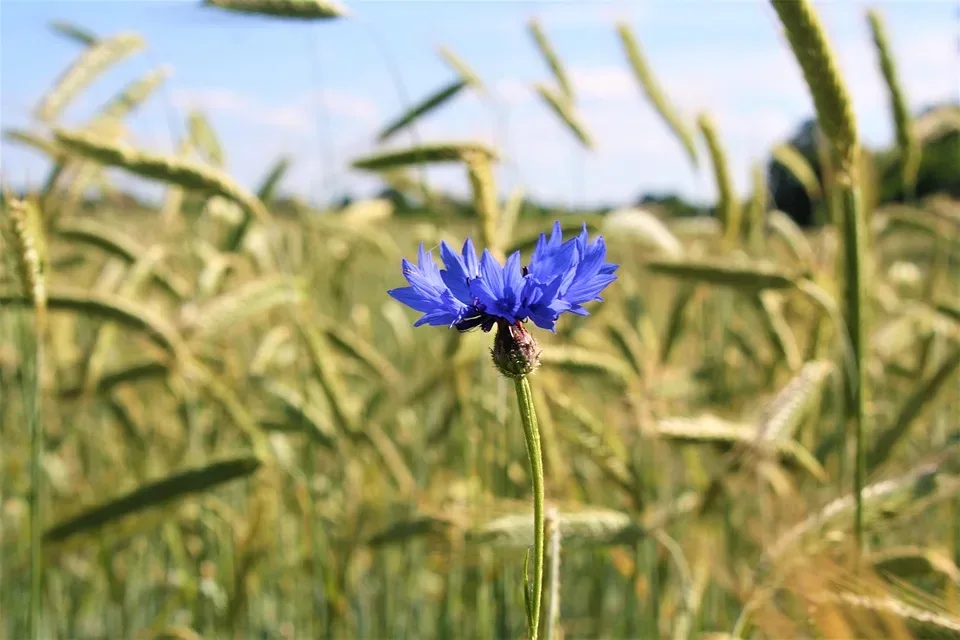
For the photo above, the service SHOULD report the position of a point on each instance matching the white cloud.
(346, 104)
(298, 116)
(606, 83)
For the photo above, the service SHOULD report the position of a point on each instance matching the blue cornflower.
(428, 293)
(561, 277)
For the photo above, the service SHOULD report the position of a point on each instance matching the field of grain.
(216, 423)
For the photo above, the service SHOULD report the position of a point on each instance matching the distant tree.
(672, 204)
(789, 195)
(939, 170)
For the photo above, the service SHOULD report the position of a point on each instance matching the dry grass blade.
(89, 231)
(154, 494)
(590, 527)
(728, 208)
(103, 343)
(364, 212)
(430, 103)
(93, 61)
(303, 414)
(896, 217)
(600, 444)
(757, 276)
(74, 32)
(675, 320)
(399, 532)
(150, 370)
(906, 142)
(564, 109)
(758, 206)
(460, 67)
(907, 329)
(224, 395)
(133, 95)
(184, 173)
(769, 306)
(646, 79)
(509, 215)
(438, 152)
(553, 60)
(177, 633)
(793, 161)
(297, 9)
(783, 227)
(925, 393)
(44, 145)
(708, 429)
(325, 370)
(350, 343)
(781, 417)
(268, 187)
(929, 625)
(949, 309)
(109, 307)
(204, 139)
(912, 562)
(236, 307)
(884, 498)
(581, 360)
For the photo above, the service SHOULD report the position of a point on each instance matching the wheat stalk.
(297, 9)
(646, 79)
(552, 59)
(836, 118)
(91, 63)
(903, 125)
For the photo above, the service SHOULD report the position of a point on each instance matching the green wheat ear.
(24, 229)
(818, 62)
(203, 138)
(563, 107)
(178, 171)
(836, 118)
(553, 60)
(299, 9)
(91, 63)
(430, 103)
(646, 79)
(728, 209)
(903, 125)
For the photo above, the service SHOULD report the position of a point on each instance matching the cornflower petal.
(470, 259)
(512, 277)
(588, 281)
(413, 298)
(455, 276)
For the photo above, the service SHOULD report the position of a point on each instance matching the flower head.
(562, 276)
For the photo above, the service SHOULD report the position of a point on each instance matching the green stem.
(36, 450)
(531, 433)
(854, 251)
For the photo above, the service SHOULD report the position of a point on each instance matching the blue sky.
(321, 91)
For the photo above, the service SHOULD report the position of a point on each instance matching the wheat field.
(216, 424)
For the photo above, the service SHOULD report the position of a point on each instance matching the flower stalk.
(471, 293)
(531, 435)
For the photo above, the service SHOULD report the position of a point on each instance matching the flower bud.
(515, 352)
